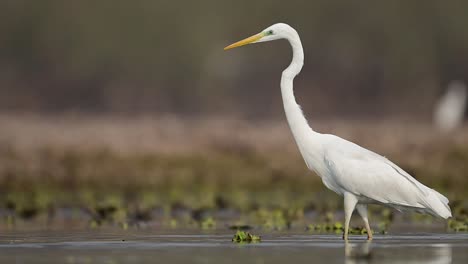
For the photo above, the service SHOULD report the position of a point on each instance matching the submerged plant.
(245, 237)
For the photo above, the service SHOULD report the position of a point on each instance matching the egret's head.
(274, 32)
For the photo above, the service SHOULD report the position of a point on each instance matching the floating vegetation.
(336, 227)
(273, 219)
(28, 205)
(245, 237)
(357, 230)
(240, 227)
(108, 210)
(458, 225)
(208, 223)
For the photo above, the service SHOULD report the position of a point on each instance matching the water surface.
(177, 246)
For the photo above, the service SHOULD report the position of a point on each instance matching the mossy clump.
(245, 237)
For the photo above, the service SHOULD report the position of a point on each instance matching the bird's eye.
(270, 32)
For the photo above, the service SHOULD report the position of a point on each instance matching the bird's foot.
(345, 236)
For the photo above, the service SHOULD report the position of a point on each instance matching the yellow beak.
(245, 41)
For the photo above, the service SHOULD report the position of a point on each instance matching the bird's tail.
(438, 204)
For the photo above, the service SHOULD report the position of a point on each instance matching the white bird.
(450, 109)
(361, 176)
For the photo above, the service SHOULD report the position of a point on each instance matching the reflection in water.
(370, 252)
(358, 252)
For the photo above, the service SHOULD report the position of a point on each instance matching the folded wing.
(369, 175)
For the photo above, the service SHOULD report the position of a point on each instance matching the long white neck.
(302, 132)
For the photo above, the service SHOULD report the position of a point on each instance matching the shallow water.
(115, 246)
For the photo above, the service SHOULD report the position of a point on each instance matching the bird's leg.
(362, 210)
(350, 202)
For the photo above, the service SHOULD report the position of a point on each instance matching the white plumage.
(359, 175)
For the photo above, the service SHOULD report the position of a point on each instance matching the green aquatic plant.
(28, 205)
(458, 225)
(245, 237)
(272, 219)
(336, 227)
(383, 226)
(240, 227)
(109, 210)
(357, 230)
(208, 223)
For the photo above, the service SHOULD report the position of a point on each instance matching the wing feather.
(367, 174)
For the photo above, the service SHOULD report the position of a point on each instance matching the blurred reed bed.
(120, 169)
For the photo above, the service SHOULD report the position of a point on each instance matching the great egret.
(450, 109)
(359, 175)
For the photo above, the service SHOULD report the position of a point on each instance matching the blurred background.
(366, 58)
(134, 105)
